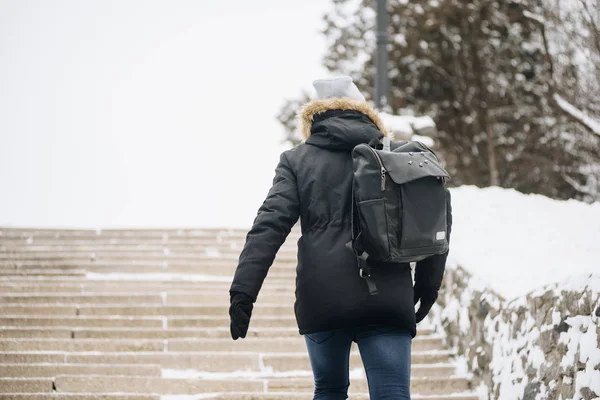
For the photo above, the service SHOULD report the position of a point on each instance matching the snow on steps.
(142, 314)
(154, 385)
(214, 396)
(212, 362)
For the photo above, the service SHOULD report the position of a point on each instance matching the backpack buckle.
(361, 272)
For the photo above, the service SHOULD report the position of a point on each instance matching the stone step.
(95, 384)
(38, 240)
(287, 275)
(101, 396)
(48, 370)
(261, 309)
(132, 384)
(263, 345)
(35, 332)
(257, 322)
(220, 299)
(284, 285)
(10, 272)
(51, 370)
(66, 261)
(66, 234)
(270, 284)
(204, 262)
(147, 333)
(277, 270)
(26, 385)
(139, 333)
(300, 362)
(418, 385)
(129, 242)
(117, 233)
(215, 250)
(40, 310)
(12, 242)
(137, 264)
(38, 265)
(205, 361)
(143, 283)
(227, 396)
(20, 357)
(133, 314)
(51, 286)
(268, 345)
(43, 289)
(139, 310)
(81, 345)
(82, 299)
(195, 257)
(171, 293)
(163, 255)
(178, 293)
(212, 361)
(41, 243)
(84, 322)
(31, 238)
(192, 296)
(80, 269)
(141, 322)
(192, 268)
(126, 242)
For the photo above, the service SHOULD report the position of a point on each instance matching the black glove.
(240, 312)
(428, 296)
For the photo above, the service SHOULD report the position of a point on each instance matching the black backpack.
(399, 204)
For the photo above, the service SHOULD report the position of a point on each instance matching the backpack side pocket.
(374, 227)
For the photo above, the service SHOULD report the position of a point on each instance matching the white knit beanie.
(341, 86)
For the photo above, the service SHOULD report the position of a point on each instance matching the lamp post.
(381, 80)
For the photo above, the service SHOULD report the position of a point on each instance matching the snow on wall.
(539, 346)
(516, 243)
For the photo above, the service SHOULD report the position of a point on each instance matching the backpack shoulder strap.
(386, 143)
(355, 245)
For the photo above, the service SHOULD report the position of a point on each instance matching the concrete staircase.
(143, 314)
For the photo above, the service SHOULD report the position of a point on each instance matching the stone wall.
(543, 345)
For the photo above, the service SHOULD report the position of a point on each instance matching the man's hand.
(240, 312)
(428, 297)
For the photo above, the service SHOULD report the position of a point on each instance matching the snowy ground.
(516, 243)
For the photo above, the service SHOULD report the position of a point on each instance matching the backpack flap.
(403, 218)
(407, 167)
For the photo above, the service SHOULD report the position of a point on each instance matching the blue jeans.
(385, 353)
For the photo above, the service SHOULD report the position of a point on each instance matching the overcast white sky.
(145, 112)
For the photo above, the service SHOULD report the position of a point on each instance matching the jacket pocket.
(374, 227)
(320, 337)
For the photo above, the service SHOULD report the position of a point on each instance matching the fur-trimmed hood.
(314, 107)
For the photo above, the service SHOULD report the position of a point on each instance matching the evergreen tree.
(483, 70)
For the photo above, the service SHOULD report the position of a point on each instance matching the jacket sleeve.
(274, 221)
(430, 271)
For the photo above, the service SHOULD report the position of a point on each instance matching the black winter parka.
(313, 182)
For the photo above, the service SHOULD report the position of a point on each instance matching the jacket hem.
(308, 331)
